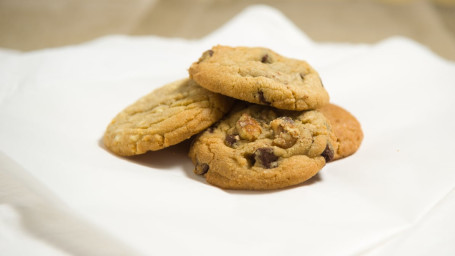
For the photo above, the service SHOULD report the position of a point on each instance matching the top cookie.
(346, 127)
(164, 117)
(261, 76)
(257, 147)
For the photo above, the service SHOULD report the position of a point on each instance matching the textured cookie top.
(346, 127)
(258, 147)
(261, 76)
(164, 117)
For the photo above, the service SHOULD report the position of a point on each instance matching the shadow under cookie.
(313, 180)
(165, 159)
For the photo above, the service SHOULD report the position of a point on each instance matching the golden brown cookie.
(346, 127)
(257, 147)
(261, 76)
(164, 117)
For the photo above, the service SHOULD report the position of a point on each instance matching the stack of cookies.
(261, 120)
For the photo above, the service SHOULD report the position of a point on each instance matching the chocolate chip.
(211, 129)
(266, 157)
(328, 153)
(201, 169)
(262, 98)
(231, 139)
(250, 159)
(265, 58)
(207, 54)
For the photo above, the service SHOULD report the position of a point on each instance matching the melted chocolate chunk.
(231, 139)
(266, 157)
(210, 52)
(328, 153)
(265, 58)
(262, 98)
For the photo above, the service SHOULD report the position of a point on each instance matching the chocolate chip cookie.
(164, 117)
(261, 76)
(346, 127)
(258, 147)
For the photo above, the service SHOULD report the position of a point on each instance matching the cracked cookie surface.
(164, 117)
(346, 127)
(257, 148)
(261, 76)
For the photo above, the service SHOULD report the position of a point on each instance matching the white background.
(62, 193)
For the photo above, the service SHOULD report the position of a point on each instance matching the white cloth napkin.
(62, 193)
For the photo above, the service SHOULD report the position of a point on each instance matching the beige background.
(35, 24)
